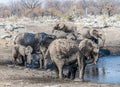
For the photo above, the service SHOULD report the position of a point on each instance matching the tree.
(31, 4)
(106, 6)
(53, 7)
(16, 8)
(110, 7)
(32, 8)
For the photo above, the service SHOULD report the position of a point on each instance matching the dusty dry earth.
(17, 76)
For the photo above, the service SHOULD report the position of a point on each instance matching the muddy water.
(107, 70)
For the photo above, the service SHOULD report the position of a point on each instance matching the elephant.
(43, 49)
(63, 30)
(68, 52)
(90, 54)
(22, 53)
(93, 34)
(90, 50)
(33, 40)
(62, 34)
(68, 28)
(36, 61)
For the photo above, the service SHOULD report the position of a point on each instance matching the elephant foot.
(41, 68)
(61, 79)
(78, 80)
(67, 79)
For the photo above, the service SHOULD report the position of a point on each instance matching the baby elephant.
(22, 53)
(36, 61)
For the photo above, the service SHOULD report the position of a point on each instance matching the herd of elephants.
(65, 47)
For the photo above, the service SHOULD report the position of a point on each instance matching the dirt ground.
(17, 76)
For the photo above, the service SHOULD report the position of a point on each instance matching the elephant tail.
(46, 56)
(15, 38)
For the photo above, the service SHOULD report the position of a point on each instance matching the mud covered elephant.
(33, 40)
(67, 52)
(36, 61)
(93, 34)
(22, 53)
(65, 30)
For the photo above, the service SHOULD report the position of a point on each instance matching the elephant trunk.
(89, 61)
(29, 58)
(103, 40)
(93, 60)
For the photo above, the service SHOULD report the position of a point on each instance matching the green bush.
(118, 17)
(68, 17)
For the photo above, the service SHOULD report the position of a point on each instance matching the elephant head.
(59, 26)
(42, 37)
(28, 50)
(96, 35)
(90, 51)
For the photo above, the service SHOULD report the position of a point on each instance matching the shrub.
(68, 17)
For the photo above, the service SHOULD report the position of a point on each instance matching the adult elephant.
(65, 30)
(67, 52)
(33, 40)
(43, 49)
(94, 34)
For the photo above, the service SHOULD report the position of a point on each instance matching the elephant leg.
(15, 60)
(57, 71)
(41, 63)
(81, 65)
(60, 69)
(73, 71)
(45, 63)
(28, 59)
(25, 59)
(69, 73)
(81, 71)
(95, 60)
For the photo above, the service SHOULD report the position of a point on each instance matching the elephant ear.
(94, 33)
(87, 47)
(95, 47)
(28, 49)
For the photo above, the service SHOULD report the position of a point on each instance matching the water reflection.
(107, 70)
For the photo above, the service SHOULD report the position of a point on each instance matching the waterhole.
(107, 70)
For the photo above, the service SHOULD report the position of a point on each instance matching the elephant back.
(65, 47)
(25, 39)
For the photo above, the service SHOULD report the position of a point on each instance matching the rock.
(59, 85)
(6, 36)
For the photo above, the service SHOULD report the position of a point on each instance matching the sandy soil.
(17, 76)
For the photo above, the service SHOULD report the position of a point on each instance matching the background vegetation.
(59, 8)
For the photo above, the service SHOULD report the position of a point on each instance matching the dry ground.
(17, 76)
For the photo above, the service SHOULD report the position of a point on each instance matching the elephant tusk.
(90, 62)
